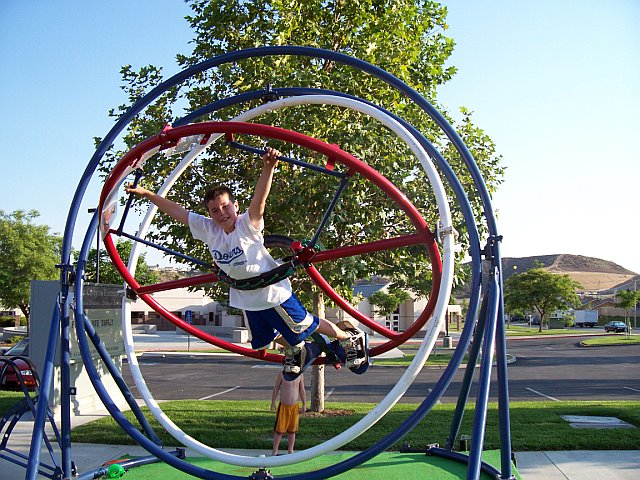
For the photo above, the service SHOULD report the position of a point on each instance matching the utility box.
(240, 335)
(103, 307)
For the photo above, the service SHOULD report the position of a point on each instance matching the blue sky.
(553, 83)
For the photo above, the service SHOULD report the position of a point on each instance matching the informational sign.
(102, 305)
(188, 316)
(103, 308)
(108, 325)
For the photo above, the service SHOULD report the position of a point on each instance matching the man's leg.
(331, 330)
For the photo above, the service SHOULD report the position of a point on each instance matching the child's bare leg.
(331, 329)
(281, 341)
(276, 443)
(291, 437)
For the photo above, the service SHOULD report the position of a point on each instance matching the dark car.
(616, 327)
(17, 356)
(21, 348)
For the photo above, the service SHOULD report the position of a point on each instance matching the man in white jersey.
(237, 247)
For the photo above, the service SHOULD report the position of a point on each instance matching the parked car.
(18, 354)
(20, 348)
(615, 327)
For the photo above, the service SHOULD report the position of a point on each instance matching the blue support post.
(482, 400)
(503, 378)
(467, 379)
(43, 399)
(65, 393)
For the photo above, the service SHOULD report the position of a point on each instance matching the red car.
(18, 354)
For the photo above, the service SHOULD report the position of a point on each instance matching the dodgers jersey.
(241, 254)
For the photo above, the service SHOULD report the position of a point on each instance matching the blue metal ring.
(316, 53)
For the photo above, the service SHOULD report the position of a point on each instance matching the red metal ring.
(423, 235)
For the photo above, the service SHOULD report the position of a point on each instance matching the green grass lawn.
(439, 357)
(518, 330)
(9, 398)
(534, 425)
(617, 339)
(248, 424)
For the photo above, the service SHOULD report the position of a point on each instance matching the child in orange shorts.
(287, 416)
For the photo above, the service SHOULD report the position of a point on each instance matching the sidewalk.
(579, 465)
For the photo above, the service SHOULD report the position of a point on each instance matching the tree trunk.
(627, 323)
(317, 388)
(317, 371)
(541, 321)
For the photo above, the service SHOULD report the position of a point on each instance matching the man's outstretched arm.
(171, 208)
(259, 200)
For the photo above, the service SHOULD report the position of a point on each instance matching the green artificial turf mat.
(386, 466)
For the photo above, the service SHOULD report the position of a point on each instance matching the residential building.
(399, 320)
(206, 313)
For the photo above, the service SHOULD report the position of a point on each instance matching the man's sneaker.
(353, 349)
(294, 359)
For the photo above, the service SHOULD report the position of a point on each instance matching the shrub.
(602, 319)
(7, 321)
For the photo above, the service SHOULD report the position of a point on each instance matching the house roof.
(602, 302)
(367, 290)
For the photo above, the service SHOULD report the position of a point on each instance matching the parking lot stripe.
(219, 393)
(634, 389)
(542, 394)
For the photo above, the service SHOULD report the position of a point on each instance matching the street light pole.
(635, 307)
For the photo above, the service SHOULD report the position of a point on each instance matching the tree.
(27, 252)
(540, 290)
(627, 299)
(109, 274)
(405, 38)
(317, 371)
(388, 302)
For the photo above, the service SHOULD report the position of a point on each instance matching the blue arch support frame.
(490, 330)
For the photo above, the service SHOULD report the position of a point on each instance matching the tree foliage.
(406, 38)
(388, 302)
(107, 272)
(628, 299)
(540, 290)
(27, 252)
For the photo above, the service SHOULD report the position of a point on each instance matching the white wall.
(179, 300)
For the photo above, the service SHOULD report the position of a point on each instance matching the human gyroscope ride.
(191, 138)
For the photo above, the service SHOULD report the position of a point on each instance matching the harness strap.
(265, 279)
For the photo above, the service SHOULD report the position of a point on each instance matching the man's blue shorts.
(290, 318)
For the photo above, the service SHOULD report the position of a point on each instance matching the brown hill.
(594, 274)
